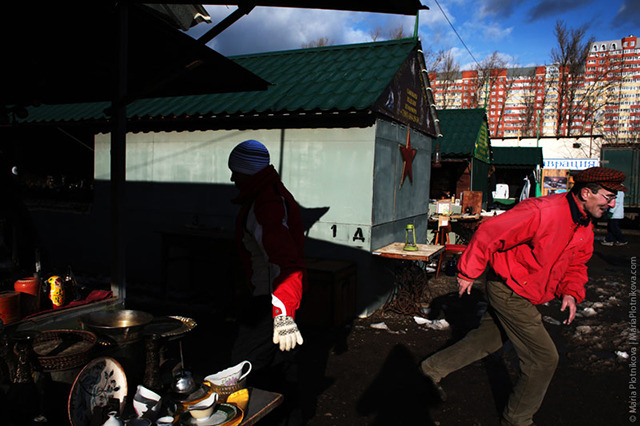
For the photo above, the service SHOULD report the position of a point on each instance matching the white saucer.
(222, 414)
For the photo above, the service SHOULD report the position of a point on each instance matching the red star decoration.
(408, 154)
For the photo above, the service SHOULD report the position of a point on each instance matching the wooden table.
(425, 252)
(261, 403)
(406, 297)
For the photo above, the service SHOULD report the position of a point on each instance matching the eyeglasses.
(608, 198)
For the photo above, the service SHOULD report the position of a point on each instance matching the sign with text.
(405, 99)
(481, 151)
(571, 163)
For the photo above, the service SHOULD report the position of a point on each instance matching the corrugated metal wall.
(627, 160)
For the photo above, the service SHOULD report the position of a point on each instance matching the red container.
(29, 285)
(10, 306)
(30, 295)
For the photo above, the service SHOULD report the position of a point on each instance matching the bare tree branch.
(448, 70)
(321, 42)
(569, 57)
(397, 33)
(375, 34)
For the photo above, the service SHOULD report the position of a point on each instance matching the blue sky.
(520, 30)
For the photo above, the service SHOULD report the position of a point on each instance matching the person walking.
(614, 233)
(535, 252)
(270, 240)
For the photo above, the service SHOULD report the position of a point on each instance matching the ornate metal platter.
(170, 327)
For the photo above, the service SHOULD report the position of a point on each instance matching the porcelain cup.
(204, 409)
(146, 400)
(164, 421)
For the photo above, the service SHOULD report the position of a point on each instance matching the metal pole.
(242, 10)
(118, 154)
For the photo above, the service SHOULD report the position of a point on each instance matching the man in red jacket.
(535, 252)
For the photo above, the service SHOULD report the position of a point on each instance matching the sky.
(521, 31)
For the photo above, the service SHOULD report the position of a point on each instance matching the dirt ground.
(371, 377)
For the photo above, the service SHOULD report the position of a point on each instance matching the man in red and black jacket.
(270, 239)
(534, 252)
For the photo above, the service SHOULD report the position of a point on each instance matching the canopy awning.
(69, 56)
(519, 157)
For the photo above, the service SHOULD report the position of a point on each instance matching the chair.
(451, 249)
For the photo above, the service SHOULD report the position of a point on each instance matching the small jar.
(113, 420)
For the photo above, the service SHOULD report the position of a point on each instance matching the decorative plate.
(222, 414)
(100, 385)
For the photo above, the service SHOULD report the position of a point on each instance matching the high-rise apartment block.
(601, 98)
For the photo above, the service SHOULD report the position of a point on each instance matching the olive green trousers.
(521, 322)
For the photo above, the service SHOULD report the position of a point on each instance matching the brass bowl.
(224, 391)
(122, 326)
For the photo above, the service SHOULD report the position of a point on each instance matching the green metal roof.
(517, 156)
(460, 130)
(333, 78)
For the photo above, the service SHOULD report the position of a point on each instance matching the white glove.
(286, 333)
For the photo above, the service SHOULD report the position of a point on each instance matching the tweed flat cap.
(608, 178)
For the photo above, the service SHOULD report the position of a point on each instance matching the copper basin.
(121, 326)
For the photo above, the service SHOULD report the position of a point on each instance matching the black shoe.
(435, 387)
(442, 395)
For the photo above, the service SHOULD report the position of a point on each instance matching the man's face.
(238, 178)
(596, 204)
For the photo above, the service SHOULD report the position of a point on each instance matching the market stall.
(517, 171)
(461, 156)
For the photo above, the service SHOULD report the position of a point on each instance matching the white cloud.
(496, 32)
(271, 29)
(435, 32)
(459, 54)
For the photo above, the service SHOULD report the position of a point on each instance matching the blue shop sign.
(571, 163)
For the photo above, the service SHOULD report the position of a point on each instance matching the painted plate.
(223, 413)
(100, 384)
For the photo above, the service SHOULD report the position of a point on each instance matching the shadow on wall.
(179, 241)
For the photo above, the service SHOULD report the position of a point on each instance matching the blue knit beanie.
(249, 157)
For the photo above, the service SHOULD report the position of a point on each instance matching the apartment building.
(619, 114)
(604, 98)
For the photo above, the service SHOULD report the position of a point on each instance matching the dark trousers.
(521, 322)
(614, 233)
(272, 369)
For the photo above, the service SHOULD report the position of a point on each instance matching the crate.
(330, 299)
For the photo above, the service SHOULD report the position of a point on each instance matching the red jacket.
(538, 248)
(270, 237)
